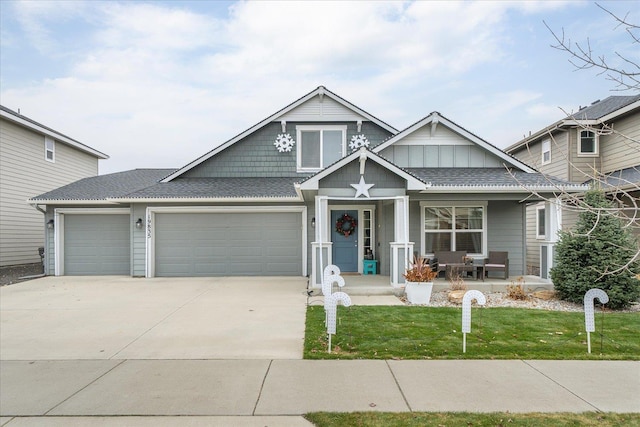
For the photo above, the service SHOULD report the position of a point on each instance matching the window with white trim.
(546, 151)
(541, 222)
(587, 143)
(454, 228)
(320, 146)
(49, 149)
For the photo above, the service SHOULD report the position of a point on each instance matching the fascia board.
(208, 200)
(504, 189)
(404, 133)
(71, 202)
(57, 136)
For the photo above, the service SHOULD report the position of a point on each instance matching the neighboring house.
(270, 201)
(600, 143)
(33, 159)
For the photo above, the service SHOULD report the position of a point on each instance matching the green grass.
(404, 332)
(446, 419)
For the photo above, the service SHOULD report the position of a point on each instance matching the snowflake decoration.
(284, 143)
(358, 141)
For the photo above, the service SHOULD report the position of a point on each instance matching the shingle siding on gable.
(256, 156)
(373, 174)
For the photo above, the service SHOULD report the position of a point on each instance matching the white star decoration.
(362, 187)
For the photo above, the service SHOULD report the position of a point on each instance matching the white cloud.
(157, 85)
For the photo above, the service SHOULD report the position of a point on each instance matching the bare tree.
(623, 69)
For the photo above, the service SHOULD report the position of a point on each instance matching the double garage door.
(228, 244)
(97, 244)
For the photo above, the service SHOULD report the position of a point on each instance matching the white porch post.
(401, 247)
(553, 219)
(321, 247)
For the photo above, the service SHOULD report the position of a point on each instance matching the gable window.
(320, 146)
(546, 151)
(587, 143)
(49, 149)
(541, 227)
(454, 228)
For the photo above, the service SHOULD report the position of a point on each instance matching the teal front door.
(345, 239)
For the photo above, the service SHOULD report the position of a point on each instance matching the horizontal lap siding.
(24, 173)
(235, 244)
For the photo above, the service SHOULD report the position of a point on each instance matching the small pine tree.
(591, 254)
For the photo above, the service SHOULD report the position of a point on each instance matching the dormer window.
(587, 143)
(49, 149)
(319, 146)
(546, 151)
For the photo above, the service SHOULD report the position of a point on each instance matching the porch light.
(313, 222)
(139, 223)
(50, 224)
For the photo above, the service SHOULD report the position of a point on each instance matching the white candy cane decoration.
(589, 322)
(466, 313)
(331, 276)
(331, 304)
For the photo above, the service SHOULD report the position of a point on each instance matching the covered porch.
(365, 284)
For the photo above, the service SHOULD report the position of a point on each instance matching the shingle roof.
(106, 186)
(195, 188)
(620, 179)
(145, 184)
(484, 177)
(607, 106)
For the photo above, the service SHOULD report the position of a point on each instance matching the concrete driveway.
(58, 318)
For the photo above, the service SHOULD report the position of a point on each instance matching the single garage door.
(96, 244)
(228, 244)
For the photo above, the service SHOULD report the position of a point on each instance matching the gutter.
(38, 208)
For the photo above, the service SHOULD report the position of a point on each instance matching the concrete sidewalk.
(48, 392)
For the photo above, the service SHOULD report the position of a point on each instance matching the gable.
(436, 141)
(442, 148)
(374, 173)
(320, 105)
(322, 109)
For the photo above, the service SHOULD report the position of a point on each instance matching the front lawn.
(441, 419)
(406, 332)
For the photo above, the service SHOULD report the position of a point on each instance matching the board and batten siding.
(24, 173)
(445, 149)
(505, 222)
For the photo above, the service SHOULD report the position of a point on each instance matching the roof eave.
(205, 199)
(57, 136)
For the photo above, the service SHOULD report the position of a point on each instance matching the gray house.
(599, 143)
(320, 181)
(33, 159)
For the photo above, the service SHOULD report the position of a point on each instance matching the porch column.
(321, 247)
(401, 247)
(553, 222)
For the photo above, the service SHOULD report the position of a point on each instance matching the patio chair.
(449, 257)
(497, 261)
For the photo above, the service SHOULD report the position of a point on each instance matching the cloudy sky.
(157, 84)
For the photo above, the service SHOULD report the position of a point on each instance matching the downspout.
(37, 207)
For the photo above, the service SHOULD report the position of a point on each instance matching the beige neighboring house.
(600, 142)
(33, 159)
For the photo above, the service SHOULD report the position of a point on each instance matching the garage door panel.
(96, 244)
(217, 244)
